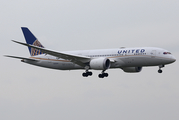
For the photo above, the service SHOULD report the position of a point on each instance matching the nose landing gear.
(160, 66)
(159, 71)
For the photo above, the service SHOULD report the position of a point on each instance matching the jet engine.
(100, 64)
(132, 69)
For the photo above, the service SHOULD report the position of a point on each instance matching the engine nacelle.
(132, 69)
(100, 64)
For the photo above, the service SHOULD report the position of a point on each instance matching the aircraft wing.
(77, 59)
(21, 58)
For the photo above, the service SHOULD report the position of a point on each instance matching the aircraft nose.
(173, 59)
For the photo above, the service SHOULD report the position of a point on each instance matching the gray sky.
(30, 92)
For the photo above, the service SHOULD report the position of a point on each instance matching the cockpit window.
(166, 53)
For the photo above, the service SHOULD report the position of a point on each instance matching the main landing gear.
(102, 75)
(160, 66)
(87, 73)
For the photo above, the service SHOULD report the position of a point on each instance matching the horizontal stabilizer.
(20, 58)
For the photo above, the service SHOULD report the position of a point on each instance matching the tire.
(101, 76)
(105, 74)
(159, 71)
(85, 75)
(90, 73)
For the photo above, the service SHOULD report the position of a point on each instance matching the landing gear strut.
(102, 75)
(87, 73)
(161, 66)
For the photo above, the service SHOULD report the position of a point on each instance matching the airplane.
(130, 60)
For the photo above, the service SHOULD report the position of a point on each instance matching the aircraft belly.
(147, 61)
(154, 61)
(133, 61)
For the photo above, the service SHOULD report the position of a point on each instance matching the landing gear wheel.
(101, 75)
(90, 73)
(160, 66)
(85, 75)
(105, 74)
(159, 71)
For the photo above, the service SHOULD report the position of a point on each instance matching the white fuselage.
(120, 58)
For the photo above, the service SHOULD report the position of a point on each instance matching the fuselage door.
(153, 53)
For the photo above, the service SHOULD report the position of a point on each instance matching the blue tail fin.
(32, 40)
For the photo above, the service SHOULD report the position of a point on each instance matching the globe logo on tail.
(34, 51)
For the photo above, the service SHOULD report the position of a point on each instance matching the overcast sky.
(32, 93)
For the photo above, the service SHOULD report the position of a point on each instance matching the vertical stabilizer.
(32, 40)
